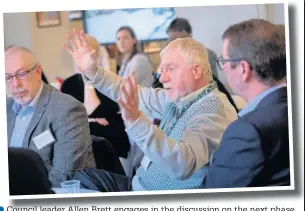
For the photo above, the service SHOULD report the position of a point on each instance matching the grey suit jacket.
(67, 121)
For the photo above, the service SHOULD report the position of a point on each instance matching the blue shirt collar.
(253, 103)
(17, 107)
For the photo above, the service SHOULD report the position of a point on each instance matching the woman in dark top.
(112, 127)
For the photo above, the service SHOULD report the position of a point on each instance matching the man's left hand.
(129, 100)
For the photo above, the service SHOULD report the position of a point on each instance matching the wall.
(16, 30)
(45, 43)
(47, 46)
(208, 24)
(276, 16)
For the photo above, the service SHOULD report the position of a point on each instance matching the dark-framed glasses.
(156, 75)
(20, 75)
(221, 62)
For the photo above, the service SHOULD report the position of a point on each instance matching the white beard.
(25, 100)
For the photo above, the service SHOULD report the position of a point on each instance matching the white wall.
(17, 30)
(276, 16)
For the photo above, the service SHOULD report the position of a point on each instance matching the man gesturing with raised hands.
(193, 113)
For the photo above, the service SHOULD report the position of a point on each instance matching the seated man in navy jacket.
(254, 150)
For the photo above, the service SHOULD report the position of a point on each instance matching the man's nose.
(16, 81)
(164, 77)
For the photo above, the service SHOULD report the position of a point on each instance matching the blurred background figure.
(130, 58)
(180, 28)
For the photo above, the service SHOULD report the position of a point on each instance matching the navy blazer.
(254, 149)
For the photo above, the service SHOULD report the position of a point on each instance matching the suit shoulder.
(272, 114)
(62, 98)
(240, 124)
(268, 123)
(242, 130)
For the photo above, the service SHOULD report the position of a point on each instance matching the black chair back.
(105, 156)
(27, 173)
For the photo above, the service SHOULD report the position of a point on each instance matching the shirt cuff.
(139, 128)
(97, 78)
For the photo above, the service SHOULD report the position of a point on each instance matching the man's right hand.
(82, 54)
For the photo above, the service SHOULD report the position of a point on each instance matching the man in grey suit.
(41, 118)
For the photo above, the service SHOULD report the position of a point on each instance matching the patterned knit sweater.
(154, 178)
(176, 154)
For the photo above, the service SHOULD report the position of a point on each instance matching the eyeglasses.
(156, 75)
(20, 75)
(221, 62)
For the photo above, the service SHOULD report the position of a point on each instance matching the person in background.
(131, 59)
(254, 150)
(193, 113)
(41, 118)
(103, 113)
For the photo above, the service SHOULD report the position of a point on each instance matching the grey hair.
(193, 52)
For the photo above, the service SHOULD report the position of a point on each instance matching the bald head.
(20, 55)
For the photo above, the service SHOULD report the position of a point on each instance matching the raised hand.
(129, 101)
(82, 54)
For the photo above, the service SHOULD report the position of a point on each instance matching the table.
(61, 191)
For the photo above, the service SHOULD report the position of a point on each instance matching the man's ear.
(197, 71)
(245, 71)
(39, 69)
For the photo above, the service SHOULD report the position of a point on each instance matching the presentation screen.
(149, 24)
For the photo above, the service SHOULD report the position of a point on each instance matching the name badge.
(145, 162)
(43, 139)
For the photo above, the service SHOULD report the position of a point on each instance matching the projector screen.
(149, 24)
